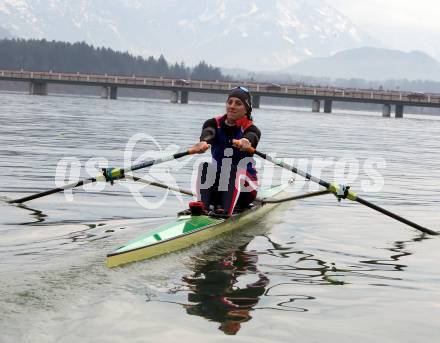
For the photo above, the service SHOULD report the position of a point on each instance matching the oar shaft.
(52, 191)
(333, 188)
(159, 160)
(118, 174)
(295, 197)
(395, 216)
(293, 169)
(160, 185)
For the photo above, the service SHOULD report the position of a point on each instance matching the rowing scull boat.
(188, 230)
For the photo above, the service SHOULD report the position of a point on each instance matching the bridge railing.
(258, 88)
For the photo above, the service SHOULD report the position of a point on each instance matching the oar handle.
(238, 144)
(190, 151)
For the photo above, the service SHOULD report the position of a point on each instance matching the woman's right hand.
(200, 147)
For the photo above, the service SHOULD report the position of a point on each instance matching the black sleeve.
(253, 135)
(208, 131)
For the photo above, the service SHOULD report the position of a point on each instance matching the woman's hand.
(200, 147)
(245, 145)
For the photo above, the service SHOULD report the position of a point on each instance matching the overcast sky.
(400, 24)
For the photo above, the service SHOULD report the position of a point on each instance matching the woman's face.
(235, 109)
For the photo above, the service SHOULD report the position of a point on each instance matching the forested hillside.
(43, 55)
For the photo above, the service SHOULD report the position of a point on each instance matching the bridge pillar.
(174, 97)
(105, 92)
(184, 95)
(109, 92)
(316, 105)
(386, 111)
(38, 88)
(255, 101)
(327, 106)
(399, 111)
(113, 92)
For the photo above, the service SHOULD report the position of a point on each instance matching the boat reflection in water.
(230, 280)
(216, 294)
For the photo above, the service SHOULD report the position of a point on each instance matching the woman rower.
(230, 180)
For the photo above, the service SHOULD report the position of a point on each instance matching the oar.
(295, 197)
(191, 193)
(109, 175)
(341, 192)
(160, 185)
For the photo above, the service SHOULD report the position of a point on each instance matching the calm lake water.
(312, 271)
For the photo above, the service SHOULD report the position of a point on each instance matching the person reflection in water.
(216, 295)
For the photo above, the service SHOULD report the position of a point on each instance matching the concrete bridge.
(180, 90)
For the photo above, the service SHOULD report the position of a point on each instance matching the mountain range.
(251, 34)
(301, 37)
(370, 64)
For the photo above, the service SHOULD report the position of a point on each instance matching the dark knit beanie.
(244, 95)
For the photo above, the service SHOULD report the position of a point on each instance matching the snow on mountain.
(251, 34)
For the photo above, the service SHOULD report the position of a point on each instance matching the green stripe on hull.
(271, 192)
(173, 229)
